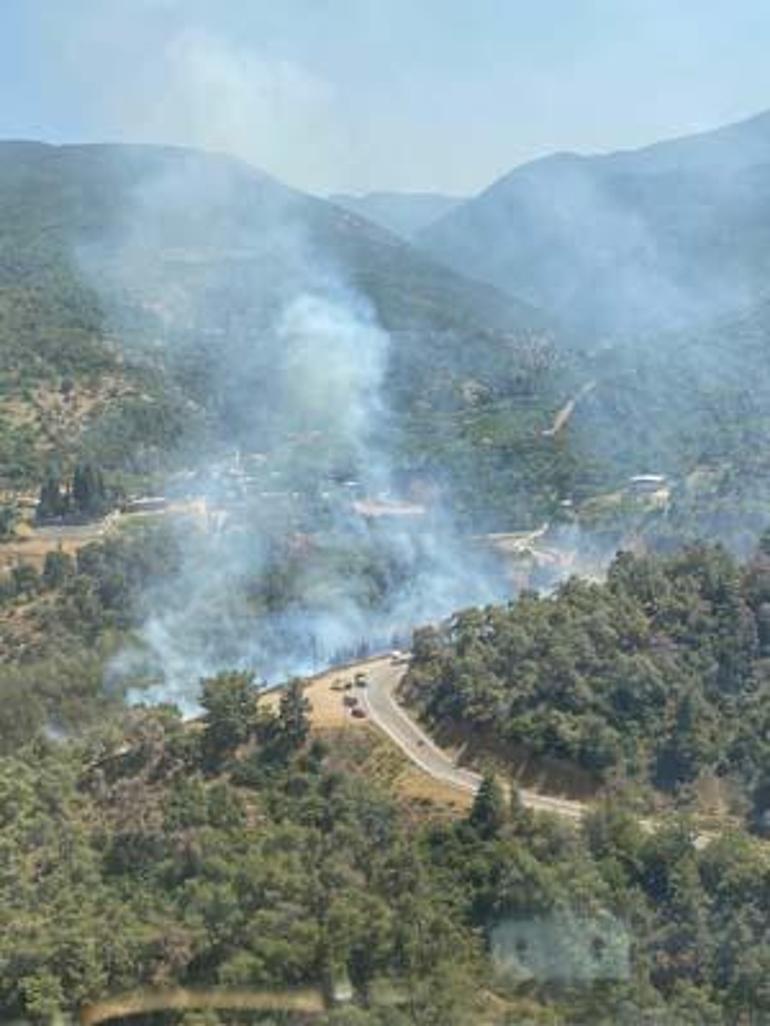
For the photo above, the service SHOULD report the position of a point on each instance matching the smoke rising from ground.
(215, 271)
(334, 370)
(290, 363)
(311, 547)
(357, 585)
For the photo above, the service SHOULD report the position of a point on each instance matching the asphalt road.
(379, 701)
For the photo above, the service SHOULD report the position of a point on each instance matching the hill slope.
(169, 276)
(640, 239)
(613, 677)
(655, 264)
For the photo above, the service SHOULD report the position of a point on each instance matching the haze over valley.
(384, 520)
(319, 389)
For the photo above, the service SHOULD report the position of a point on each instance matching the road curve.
(379, 701)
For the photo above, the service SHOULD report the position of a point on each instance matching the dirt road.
(35, 542)
(562, 417)
(379, 701)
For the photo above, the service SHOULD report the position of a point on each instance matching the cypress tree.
(487, 815)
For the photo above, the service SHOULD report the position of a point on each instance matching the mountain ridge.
(181, 266)
(630, 240)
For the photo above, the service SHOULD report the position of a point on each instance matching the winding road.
(378, 699)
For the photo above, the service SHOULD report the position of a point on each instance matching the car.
(358, 712)
(349, 701)
(360, 680)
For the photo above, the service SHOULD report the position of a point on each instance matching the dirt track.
(32, 548)
(563, 415)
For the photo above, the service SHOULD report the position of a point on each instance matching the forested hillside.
(658, 676)
(143, 303)
(241, 855)
(142, 292)
(653, 263)
(691, 404)
(659, 237)
(148, 324)
(384, 576)
(241, 852)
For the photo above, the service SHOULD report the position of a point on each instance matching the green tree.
(26, 580)
(681, 757)
(230, 704)
(58, 567)
(520, 816)
(53, 502)
(89, 495)
(44, 996)
(293, 714)
(760, 805)
(488, 814)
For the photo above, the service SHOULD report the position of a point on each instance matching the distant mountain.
(404, 213)
(182, 208)
(659, 237)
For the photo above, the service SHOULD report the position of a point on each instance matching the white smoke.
(197, 622)
(218, 257)
(335, 363)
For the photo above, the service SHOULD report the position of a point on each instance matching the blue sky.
(365, 94)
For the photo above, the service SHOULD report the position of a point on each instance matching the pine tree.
(230, 703)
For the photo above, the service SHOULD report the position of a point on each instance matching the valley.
(253, 441)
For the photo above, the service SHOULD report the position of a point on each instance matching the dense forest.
(658, 675)
(238, 852)
(60, 626)
(242, 851)
(71, 640)
(142, 345)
